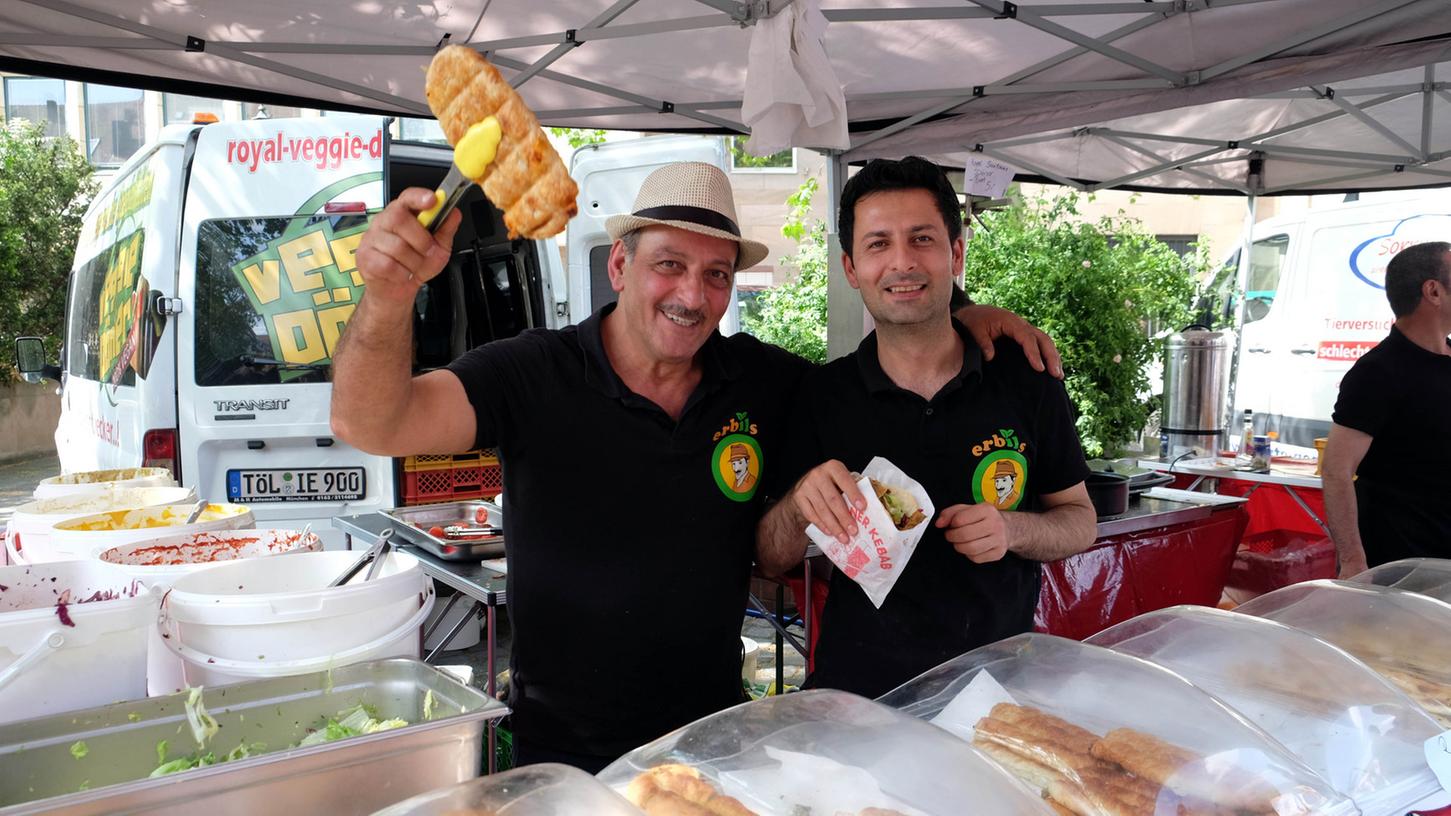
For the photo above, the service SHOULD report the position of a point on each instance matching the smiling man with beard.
(991, 441)
(660, 549)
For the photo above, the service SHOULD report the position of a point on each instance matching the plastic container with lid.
(825, 752)
(534, 790)
(72, 635)
(1099, 731)
(1428, 576)
(98, 481)
(88, 536)
(161, 562)
(1355, 729)
(31, 522)
(1402, 635)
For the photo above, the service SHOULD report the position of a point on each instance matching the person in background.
(655, 550)
(992, 442)
(1385, 469)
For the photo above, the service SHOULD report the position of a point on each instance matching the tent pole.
(1241, 285)
(845, 320)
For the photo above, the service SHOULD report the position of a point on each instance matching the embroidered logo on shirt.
(1001, 477)
(736, 463)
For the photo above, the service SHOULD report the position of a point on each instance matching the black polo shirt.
(1398, 393)
(994, 419)
(630, 535)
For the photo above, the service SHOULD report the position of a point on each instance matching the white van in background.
(1316, 302)
(609, 175)
(212, 280)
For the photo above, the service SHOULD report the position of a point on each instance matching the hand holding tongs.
(377, 554)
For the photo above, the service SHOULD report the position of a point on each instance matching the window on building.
(39, 100)
(1181, 244)
(743, 161)
(115, 123)
(182, 108)
(421, 130)
(267, 110)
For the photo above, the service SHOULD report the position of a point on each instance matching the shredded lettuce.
(350, 722)
(79, 750)
(429, 703)
(161, 752)
(203, 725)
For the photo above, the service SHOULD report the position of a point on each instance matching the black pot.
(1109, 493)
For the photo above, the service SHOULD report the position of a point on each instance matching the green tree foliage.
(1100, 290)
(45, 186)
(793, 315)
(742, 158)
(578, 137)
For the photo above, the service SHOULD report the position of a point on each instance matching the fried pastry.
(1038, 737)
(1181, 771)
(1433, 698)
(527, 181)
(679, 790)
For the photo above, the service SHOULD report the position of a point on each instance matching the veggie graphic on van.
(305, 283)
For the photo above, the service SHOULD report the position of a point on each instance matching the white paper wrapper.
(878, 553)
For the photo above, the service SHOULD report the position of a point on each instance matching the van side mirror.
(30, 360)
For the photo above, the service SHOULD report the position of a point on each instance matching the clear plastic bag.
(1428, 576)
(1356, 730)
(534, 790)
(1402, 635)
(826, 753)
(1103, 734)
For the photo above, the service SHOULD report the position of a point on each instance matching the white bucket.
(159, 563)
(88, 536)
(90, 652)
(272, 617)
(97, 481)
(31, 522)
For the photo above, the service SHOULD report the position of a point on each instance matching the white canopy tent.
(923, 76)
(1237, 96)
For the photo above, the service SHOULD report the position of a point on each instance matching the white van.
(213, 277)
(1316, 302)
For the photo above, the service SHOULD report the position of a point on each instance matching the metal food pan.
(41, 772)
(428, 515)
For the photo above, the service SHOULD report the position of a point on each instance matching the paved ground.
(18, 479)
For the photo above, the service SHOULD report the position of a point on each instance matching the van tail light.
(159, 449)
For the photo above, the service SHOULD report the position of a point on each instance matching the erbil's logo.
(1001, 477)
(736, 463)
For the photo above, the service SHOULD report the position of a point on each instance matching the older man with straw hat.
(627, 582)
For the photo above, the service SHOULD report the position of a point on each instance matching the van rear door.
(609, 176)
(274, 212)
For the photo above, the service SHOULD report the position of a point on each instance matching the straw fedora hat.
(691, 196)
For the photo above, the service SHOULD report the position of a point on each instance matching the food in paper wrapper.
(526, 181)
(881, 548)
(1123, 773)
(900, 505)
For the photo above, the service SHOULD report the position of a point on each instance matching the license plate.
(295, 485)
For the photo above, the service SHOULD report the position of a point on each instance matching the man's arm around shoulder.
(377, 405)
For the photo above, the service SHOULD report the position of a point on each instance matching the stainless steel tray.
(39, 774)
(413, 524)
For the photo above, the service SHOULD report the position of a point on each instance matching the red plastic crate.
(1277, 558)
(453, 483)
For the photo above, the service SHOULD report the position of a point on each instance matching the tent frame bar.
(1033, 20)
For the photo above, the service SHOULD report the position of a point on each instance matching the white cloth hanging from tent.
(792, 95)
